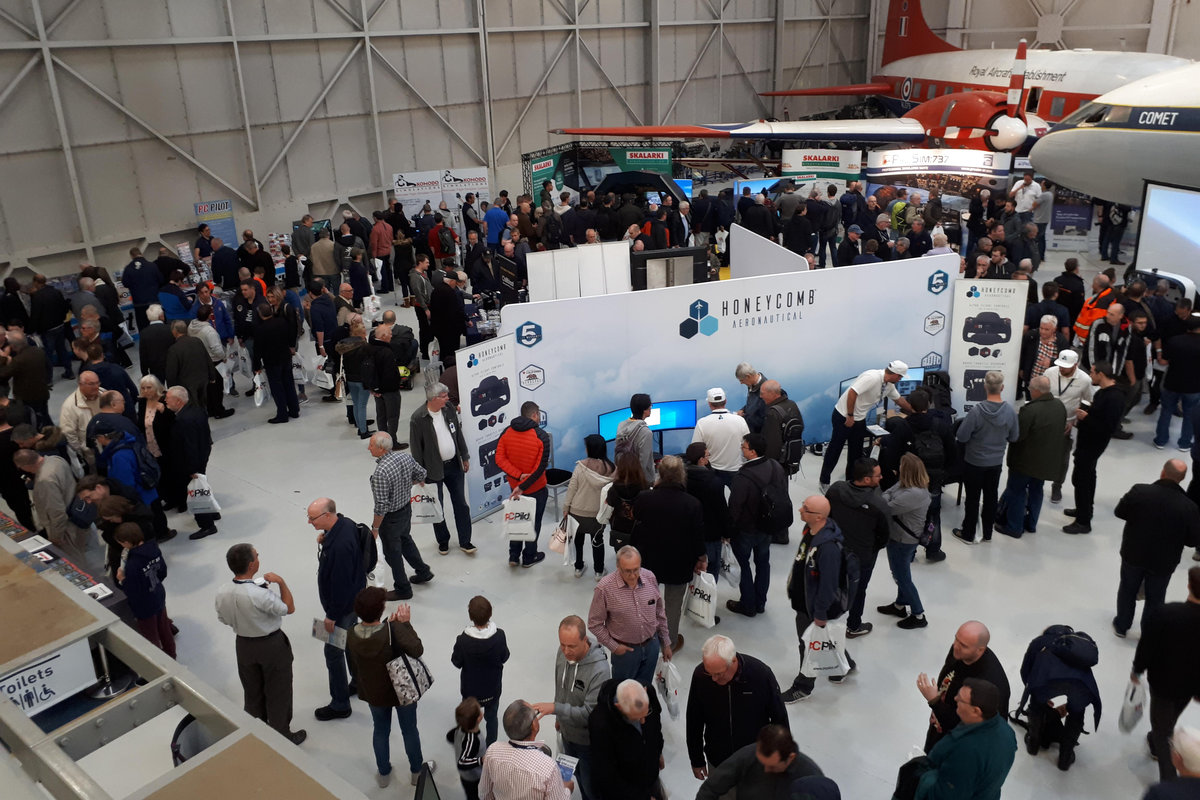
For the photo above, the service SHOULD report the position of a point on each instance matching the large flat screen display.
(665, 416)
(1170, 228)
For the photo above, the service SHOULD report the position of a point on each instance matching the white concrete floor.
(859, 733)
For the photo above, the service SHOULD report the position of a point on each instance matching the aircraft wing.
(887, 129)
(849, 90)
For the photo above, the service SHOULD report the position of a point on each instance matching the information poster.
(456, 183)
(50, 680)
(817, 169)
(218, 216)
(414, 189)
(487, 382)
(985, 335)
(956, 175)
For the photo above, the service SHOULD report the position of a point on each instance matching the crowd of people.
(124, 453)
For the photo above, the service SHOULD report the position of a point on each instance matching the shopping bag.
(226, 373)
(260, 389)
(299, 374)
(1132, 706)
(244, 365)
(339, 385)
(731, 570)
(125, 340)
(519, 513)
(426, 508)
(320, 377)
(667, 681)
(701, 604)
(606, 511)
(824, 650)
(558, 539)
(200, 498)
(410, 675)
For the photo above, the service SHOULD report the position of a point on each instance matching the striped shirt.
(520, 771)
(392, 480)
(621, 615)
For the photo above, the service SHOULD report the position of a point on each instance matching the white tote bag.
(200, 497)
(667, 680)
(426, 508)
(1132, 706)
(824, 650)
(731, 570)
(701, 605)
(260, 389)
(606, 511)
(519, 514)
(299, 373)
(320, 377)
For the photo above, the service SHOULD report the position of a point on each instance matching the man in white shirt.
(521, 768)
(1072, 387)
(850, 414)
(1024, 195)
(264, 654)
(436, 441)
(722, 432)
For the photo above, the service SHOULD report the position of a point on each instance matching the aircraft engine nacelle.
(1005, 133)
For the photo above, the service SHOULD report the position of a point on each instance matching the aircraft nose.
(1060, 157)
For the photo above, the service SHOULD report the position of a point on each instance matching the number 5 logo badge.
(529, 334)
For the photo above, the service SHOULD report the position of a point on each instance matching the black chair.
(190, 739)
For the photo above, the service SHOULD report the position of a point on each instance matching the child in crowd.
(468, 749)
(480, 652)
(144, 571)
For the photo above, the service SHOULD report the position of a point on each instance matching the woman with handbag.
(909, 504)
(372, 644)
(628, 482)
(155, 421)
(591, 475)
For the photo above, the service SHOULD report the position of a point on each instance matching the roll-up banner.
(956, 175)
(414, 189)
(487, 375)
(985, 335)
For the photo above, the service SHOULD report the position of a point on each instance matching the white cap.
(1067, 359)
(716, 395)
(898, 367)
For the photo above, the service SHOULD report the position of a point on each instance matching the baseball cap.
(854, 229)
(716, 395)
(898, 367)
(1067, 359)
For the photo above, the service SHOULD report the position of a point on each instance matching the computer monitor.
(665, 416)
(914, 378)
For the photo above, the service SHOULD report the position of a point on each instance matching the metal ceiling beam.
(687, 78)
(346, 15)
(20, 76)
(611, 83)
(533, 96)
(371, 90)
(485, 81)
(150, 129)
(812, 46)
(62, 15)
(312, 109)
(746, 77)
(21, 26)
(244, 106)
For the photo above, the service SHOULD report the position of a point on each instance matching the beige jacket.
(53, 491)
(75, 416)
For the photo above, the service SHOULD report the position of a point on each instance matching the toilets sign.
(50, 680)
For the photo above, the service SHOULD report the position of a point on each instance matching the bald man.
(815, 590)
(969, 657)
(1160, 520)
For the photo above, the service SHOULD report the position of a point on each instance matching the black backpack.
(368, 547)
(793, 444)
(554, 230)
(774, 505)
(928, 446)
(446, 241)
(1075, 648)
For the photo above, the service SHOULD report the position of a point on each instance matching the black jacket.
(480, 663)
(47, 309)
(951, 678)
(624, 759)
(902, 439)
(383, 376)
(1072, 293)
(760, 220)
(1168, 649)
(1160, 520)
(191, 441)
(446, 315)
(745, 496)
(862, 514)
(669, 532)
(153, 343)
(1029, 350)
(273, 340)
(340, 574)
(797, 234)
(702, 484)
(1096, 430)
(778, 413)
(847, 251)
(721, 719)
(12, 310)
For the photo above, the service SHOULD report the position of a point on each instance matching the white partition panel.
(591, 270)
(751, 255)
(566, 273)
(541, 276)
(616, 268)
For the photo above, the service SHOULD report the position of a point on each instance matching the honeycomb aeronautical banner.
(488, 402)
(985, 335)
(811, 331)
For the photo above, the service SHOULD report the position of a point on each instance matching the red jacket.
(519, 452)
(435, 242)
(381, 240)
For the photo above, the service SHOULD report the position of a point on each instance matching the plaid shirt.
(392, 480)
(620, 615)
(1047, 350)
(520, 771)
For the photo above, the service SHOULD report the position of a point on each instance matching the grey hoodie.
(988, 427)
(643, 443)
(576, 690)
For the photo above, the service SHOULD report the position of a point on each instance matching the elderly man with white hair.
(627, 742)
(521, 768)
(436, 438)
(754, 410)
(191, 446)
(391, 490)
(732, 696)
(1185, 757)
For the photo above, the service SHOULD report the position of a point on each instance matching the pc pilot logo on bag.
(518, 516)
(698, 321)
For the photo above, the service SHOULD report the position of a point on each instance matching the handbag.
(339, 386)
(558, 539)
(924, 536)
(410, 675)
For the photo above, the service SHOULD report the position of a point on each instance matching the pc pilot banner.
(985, 335)
(487, 379)
(581, 358)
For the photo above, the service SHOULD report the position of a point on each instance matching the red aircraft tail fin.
(909, 35)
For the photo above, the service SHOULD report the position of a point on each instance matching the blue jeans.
(337, 662)
(1162, 434)
(583, 770)
(1132, 579)
(866, 566)
(381, 737)
(638, 663)
(395, 539)
(453, 479)
(358, 399)
(1022, 502)
(527, 550)
(754, 585)
(900, 558)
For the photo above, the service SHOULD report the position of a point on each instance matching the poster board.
(817, 169)
(985, 335)
(487, 376)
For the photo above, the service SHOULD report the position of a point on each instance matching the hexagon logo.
(708, 325)
(689, 328)
(472, 360)
(935, 323)
(938, 282)
(529, 334)
(973, 291)
(932, 361)
(533, 377)
(698, 310)
(698, 321)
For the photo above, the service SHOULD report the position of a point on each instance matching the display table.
(56, 616)
(247, 767)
